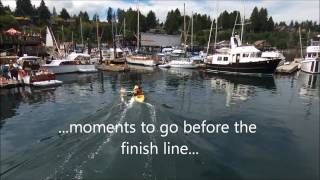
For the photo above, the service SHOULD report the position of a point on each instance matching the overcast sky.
(280, 10)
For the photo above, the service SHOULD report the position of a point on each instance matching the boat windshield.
(315, 43)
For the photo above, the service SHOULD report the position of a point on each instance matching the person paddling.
(137, 90)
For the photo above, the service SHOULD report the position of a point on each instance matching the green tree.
(2, 11)
(43, 12)
(173, 22)
(109, 14)
(151, 20)
(64, 14)
(54, 12)
(24, 8)
(255, 22)
(270, 24)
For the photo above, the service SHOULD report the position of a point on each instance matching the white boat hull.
(311, 66)
(144, 61)
(26, 80)
(184, 66)
(71, 68)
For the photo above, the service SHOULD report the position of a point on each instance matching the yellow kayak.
(139, 98)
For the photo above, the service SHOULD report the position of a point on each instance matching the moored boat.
(311, 63)
(245, 59)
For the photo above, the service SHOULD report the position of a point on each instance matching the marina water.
(284, 108)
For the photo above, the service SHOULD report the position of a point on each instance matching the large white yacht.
(311, 63)
(242, 58)
(75, 62)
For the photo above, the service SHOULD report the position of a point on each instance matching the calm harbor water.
(284, 108)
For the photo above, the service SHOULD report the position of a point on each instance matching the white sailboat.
(139, 58)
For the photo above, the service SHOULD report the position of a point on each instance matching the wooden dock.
(113, 67)
(10, 84)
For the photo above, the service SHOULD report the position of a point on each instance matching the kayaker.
(137, 90)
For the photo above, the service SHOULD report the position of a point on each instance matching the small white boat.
(164, 65)
(145, 60)
(183, 63)
(311, 63)
(32, 75)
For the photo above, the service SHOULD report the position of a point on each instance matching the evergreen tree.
(43, 12)
(95, 17)
(270, 24)
(2, 10)
(151, 20)
(54, 12)
(255, 22)
(120, 15)
(85, 16)
(109, 15)
(173, 22)
(64, 14)
(24, 8)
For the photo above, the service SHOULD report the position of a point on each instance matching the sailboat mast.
(81, 32)
(184, 26)
(192, 30)
(300, 42)
(138, 28)
(209, 36)
(242, 24)
(97, 26)
(216, 32)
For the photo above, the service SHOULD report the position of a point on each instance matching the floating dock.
(113, 67)
(10, 84)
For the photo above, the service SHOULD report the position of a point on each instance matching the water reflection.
(239, 88)
(309, 85)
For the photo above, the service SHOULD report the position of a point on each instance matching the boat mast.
(242, 24)
(209, 36)
(138, 28)
(81, 32)
(235, 23)
(300, 42)
(184, 27)
(192, 30)
(216, 33)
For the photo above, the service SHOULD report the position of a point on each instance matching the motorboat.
(311, 63)
(75, 62)
(142, 59)
(32, 74)
(242, 58)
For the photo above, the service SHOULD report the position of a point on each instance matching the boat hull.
(71, 68)
(141, 61)
(249, 67)
(184, 66)
(311, 66)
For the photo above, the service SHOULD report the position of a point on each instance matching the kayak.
(139, 98)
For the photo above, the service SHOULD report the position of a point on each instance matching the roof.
(160, 40)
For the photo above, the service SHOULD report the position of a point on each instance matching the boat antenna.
(192, 31)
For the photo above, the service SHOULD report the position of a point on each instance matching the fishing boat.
(240, 58)
(75, 62)
(311, 62)
(33, 75)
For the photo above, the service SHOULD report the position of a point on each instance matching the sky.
(280, 10)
